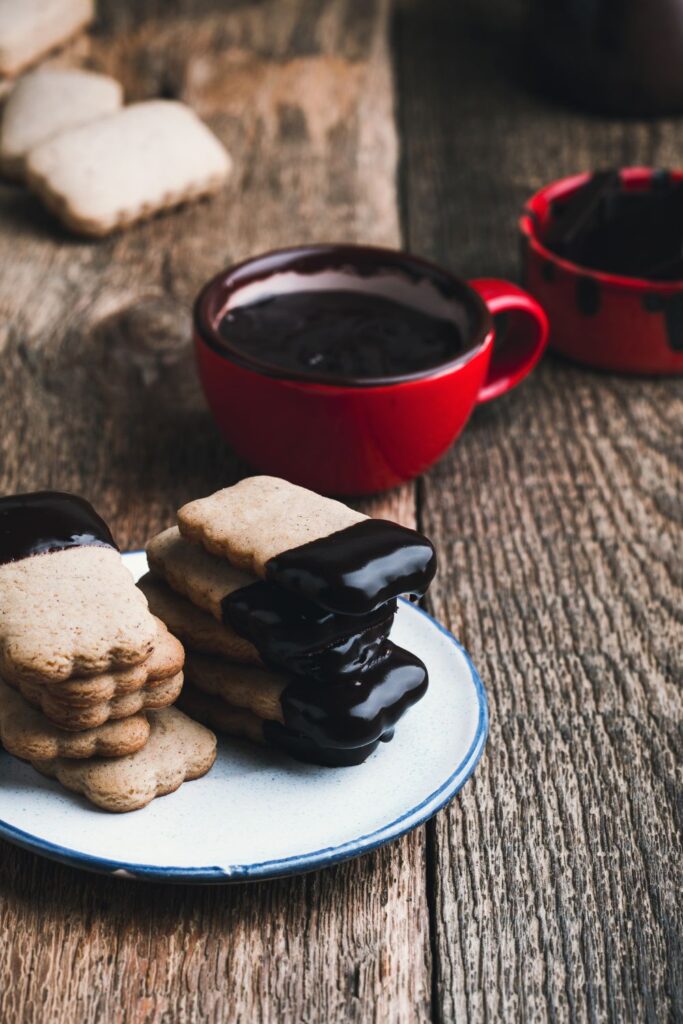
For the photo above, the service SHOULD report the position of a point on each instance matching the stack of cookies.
(284, 601)
(88, 674)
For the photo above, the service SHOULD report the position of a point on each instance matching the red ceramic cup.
(346, 437)
(619, 323)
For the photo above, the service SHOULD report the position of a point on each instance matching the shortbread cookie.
(165, 661)
(195, 627)
(285, 629)
(47, 102)
(221, 716)
(25, 733)
(240, 724)
(125, 167)
(177, 751)
(74, 718)
(31, 28)
(314, 546)
(191, 571)
(68, 605)
(342, 715)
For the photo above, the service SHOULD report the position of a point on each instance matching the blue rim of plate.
(284, 866)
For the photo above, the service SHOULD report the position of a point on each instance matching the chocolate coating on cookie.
(346, 715)
(304, 749)
(44, 521)
(355, 570)
(289, 631)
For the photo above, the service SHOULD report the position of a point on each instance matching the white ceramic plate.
(258, 814)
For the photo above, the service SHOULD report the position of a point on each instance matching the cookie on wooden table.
(68, 604)
(130, 165)
(314, 546)
(47, 102)
(31, 28)
(177, 751)
(153, 695)
(26, 733)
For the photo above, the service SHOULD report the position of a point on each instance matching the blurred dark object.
(611, 56)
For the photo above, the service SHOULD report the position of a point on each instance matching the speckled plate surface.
(258, 814)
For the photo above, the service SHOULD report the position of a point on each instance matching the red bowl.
(341, 437)
(608, 321)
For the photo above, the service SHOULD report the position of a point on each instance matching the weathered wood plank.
(99, 395)
(557, 874)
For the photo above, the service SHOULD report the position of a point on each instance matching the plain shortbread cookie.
(31, 28)
(45, 103)
(122, 168)
(177, 751)
(27, 734)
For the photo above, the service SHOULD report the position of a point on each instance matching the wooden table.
(550, 888)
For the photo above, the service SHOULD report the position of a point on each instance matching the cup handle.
(516, 354)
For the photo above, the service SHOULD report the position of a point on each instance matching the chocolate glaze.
(354, 571)
(347, 334)
(344, 720)
(633, 232)
(303, 637)
(303, 749)
(34, 524)
(352, 262)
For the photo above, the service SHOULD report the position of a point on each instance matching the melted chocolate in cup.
(347, 718)
(303, 637)
(346, 316)
(355, 571)
(607, 227)
(342, 334)
(35, 524)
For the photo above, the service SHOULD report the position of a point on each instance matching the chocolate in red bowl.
(613, 321)
(340, 432)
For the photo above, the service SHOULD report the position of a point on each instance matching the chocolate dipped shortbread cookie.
(68, 605)
(284, 629)
(315, 547)
(337, 724)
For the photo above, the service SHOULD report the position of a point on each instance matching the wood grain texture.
(99, 395)
(556, 877)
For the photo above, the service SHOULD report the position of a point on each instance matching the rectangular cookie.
(315, 547)
(68, 604)
(122, 168)
(178, 750)
(47, 102)
(284, 629)
(31, 28)
(342, 715)
(196, 628)
(26, 733)
(230, 720)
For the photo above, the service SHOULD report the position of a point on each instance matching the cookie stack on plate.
(88, 674)
(284, 601)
